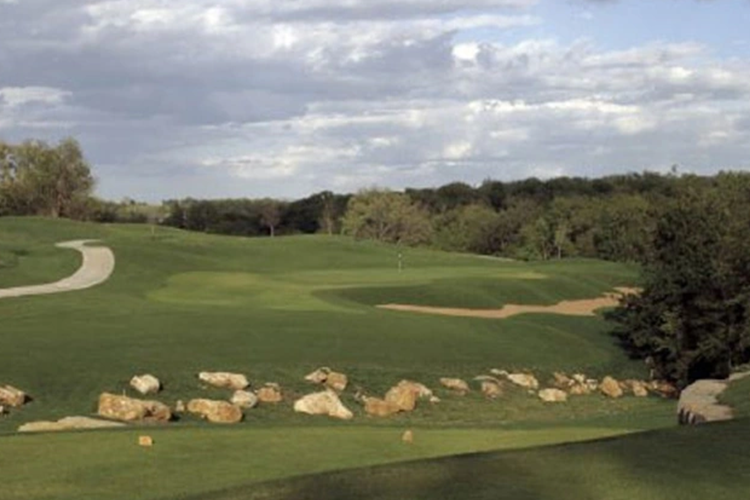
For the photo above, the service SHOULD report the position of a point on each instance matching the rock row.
(402, 397)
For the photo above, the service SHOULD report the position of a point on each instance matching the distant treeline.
(610, 217)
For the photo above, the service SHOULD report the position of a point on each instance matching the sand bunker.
(586, 307)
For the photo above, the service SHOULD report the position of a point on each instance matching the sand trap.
(98, 265)
(586, 307)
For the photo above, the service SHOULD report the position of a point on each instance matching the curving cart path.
(98, 265)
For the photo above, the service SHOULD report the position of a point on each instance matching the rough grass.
(738, 397)
(697, 463)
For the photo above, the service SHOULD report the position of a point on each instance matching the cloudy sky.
(284, 98)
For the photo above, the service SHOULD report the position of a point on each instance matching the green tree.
(387, 216)
(692, 319)
(36, 178)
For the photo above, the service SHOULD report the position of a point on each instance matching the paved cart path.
(98, 265)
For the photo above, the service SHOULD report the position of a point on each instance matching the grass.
(677, 464)
(737, 396)
(105, 465)
(275, 309)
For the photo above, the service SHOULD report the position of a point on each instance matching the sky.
(257, 98)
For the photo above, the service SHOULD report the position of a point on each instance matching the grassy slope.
(275, 309)
(693, 463)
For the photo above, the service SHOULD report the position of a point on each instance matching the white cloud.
(19, 96)
(216, 97)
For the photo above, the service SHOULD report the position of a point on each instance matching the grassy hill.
(275, 309)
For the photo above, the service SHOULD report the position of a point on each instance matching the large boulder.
(269, 393)
(323, 403)
(553, 395)
(145, 384)
(335, 380)
(611, 388)
(377, 407)
(69, 424)
(405, 394)
(235, 381)
(10, 396)
(130, 410)
(218, 412)
(244, 399)
(699, 403)
(455, 384)
(525, 380)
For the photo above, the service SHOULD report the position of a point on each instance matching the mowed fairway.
(276, 309)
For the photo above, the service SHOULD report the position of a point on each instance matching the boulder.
(319, 376)
(610, 387)
(235, 381)
(218, 412)
(579, 378)
(335, 380)
(579, 390)
(323, 403)
(699, 403)
(553, 396)
(663, 388)
(145, 441)
(145, 384)
(524, 380)
(636, 387)
(10, 396)
(69, 424)
(562, 381)
(179, 406)
(2, 411)
(130, 410)
(455, 384)
(270, 393)
(404, 395)
(499, 373)
(492, 389)
(244, 399)
(377, 407)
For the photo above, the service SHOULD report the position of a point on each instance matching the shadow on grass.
(700, 462)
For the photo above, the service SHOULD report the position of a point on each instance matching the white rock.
(455, 384)
(236, 381)
(69, 424)
(525, 380)
(553, 396)
(145, 384)
(244, 399)
(319, 376)
(323, 403)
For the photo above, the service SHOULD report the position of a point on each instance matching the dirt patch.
(585, 307)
